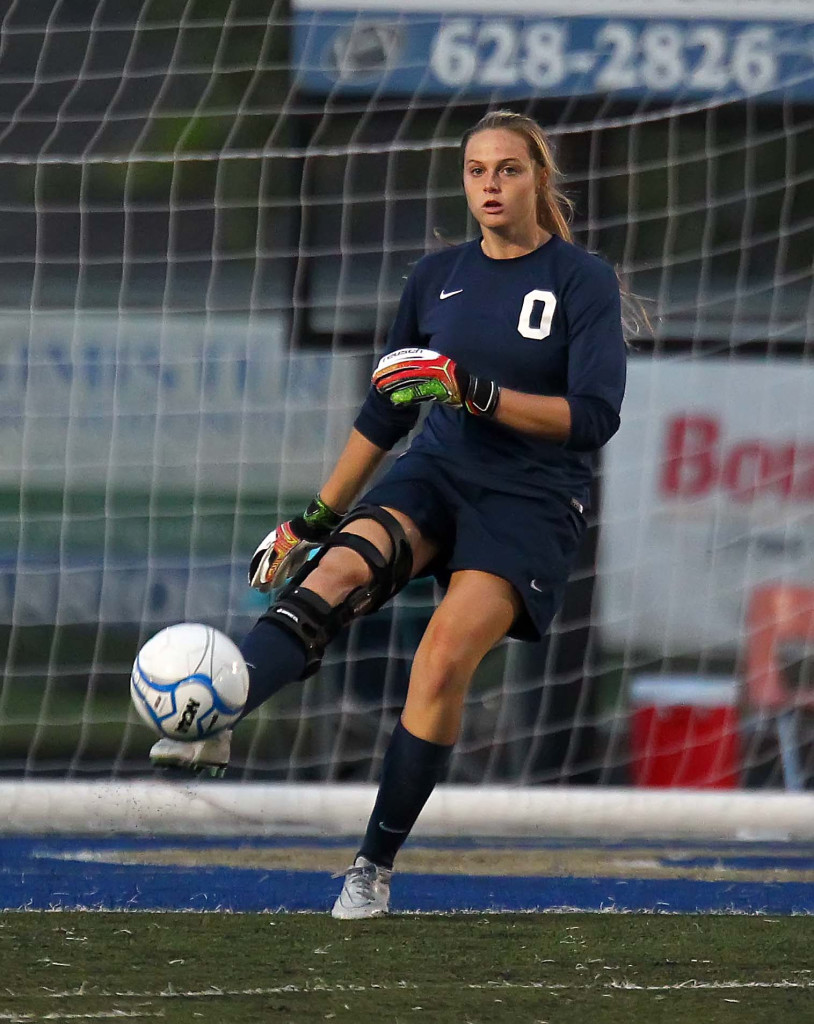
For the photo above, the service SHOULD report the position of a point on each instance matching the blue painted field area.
(294, 874)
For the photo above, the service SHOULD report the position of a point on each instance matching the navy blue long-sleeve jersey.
(547, 323)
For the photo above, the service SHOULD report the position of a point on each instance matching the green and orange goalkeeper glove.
(412, 375)
(281, 553)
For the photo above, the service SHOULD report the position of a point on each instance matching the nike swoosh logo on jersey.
(536, 586)
(448, 295)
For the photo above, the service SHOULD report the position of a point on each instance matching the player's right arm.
(359, 460)
(378, 426)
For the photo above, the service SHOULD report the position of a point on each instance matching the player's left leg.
(476, 612)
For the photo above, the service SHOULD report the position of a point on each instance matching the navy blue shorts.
(531, 542)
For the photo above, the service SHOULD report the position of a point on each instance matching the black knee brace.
(309, 618)
(313, 620)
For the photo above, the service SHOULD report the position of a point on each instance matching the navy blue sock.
(274, 658)
(410, 771)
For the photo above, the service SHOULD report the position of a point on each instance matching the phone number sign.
(389, 54)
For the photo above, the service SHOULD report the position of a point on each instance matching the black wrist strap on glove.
(480, 396)
(317, 521)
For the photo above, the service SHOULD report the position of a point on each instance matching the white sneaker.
(366, 892)
(201, 757)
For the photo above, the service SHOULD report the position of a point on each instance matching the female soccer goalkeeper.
(516, 340)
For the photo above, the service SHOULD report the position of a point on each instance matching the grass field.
(452, 969)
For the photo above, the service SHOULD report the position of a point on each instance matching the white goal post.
(207, 212)
(334, 810)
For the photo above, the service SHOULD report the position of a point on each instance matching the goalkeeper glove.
(412, 375)
(283, 551)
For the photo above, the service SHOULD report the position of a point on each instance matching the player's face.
(501, 181)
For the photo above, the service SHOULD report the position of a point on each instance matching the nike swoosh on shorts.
(448, 295)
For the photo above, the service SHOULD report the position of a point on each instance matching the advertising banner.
(668, 48)
(136, 451)
(179, 402)
(708, 491)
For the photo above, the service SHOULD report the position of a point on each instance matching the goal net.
(208, 212)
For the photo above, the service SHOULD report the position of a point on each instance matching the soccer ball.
(189, 681)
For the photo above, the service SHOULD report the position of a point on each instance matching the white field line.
(691, 984)
(23, 1018)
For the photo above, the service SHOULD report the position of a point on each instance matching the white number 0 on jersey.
(531, 313)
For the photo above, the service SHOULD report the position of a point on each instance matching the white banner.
(188, 415)
(177, 402)
(708, 491)
(144, 592)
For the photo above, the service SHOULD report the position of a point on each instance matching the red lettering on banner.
(785, 462)
(748, 470)
(802, 484)
(697, 460)
(689, 468)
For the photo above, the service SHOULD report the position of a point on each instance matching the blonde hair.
(554, 209)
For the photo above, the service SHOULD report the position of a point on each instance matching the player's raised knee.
(339, 571)
(366, 579)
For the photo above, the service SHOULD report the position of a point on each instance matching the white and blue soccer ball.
(189, 682)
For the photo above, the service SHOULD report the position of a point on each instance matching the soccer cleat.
(207, 757)
(366, 892)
